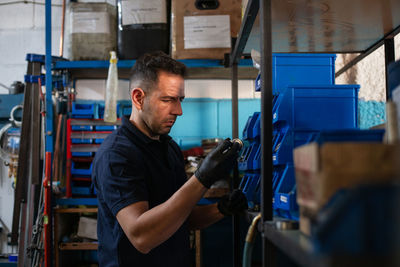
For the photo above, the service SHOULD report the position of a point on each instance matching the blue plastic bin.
(250, 159)
(84, 111)
(249, 185)
(318, 107)
(252, 127)
(82, 154)
(105, 127)
(81, 141)
(81, 168)
(302, 69)
(375, 135)
(82, 128)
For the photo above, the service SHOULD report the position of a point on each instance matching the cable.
(26, 2)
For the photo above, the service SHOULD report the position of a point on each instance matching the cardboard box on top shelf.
(198, 33)
(321, 170)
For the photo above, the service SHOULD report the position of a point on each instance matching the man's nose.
(177, 110)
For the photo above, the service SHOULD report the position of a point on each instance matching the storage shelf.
(78, 246)
(75, 210)
(332, 26)
(197, 69)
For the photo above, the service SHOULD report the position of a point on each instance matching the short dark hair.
(144, 74)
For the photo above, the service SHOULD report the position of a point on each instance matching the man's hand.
(233, 204)
(218, 163)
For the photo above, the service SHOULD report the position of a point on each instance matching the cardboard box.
(87, 228)
(322, 170)
(203, 33)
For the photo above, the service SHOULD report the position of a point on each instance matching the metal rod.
(49, 122)
(266, 122)
(244, 32)
(367, 52)
(235, 182)
(62, 29)
(389, 58)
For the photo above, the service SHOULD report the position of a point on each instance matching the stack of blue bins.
(250, 161)
(306, 101)
(81, 166)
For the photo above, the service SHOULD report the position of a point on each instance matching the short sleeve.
(120, 180)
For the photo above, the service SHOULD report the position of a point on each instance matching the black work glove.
(218, 163)
(234, 203)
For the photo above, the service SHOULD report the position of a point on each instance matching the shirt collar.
(139, 134)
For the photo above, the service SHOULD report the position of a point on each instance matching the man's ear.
(137, 97)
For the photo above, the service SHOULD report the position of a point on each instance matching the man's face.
(162, 105)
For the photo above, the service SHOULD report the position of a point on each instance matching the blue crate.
(82, 154)
(252, 128)
(81, 141)
(356, 135)
(99, 141)
(81, 190)
(83, 111)
(105, 127)
(124, 110)
(82, 127)
(81, 168)
(301, 69)
(249, 185)
(250, 159)
(318, 107)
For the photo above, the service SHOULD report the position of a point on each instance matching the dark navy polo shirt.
(130, 167)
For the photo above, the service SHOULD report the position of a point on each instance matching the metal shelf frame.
(273, 239)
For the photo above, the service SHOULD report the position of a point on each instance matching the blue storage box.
(250, 159)
(81, 141)
(86, 111)
(81, 168)
(249, 185)
(356, 135)
(82, 127)
(81, 190)
(301, 69)
(318, 107)
(99, 141)
(252, 127)
(105, 127)
(82, 154)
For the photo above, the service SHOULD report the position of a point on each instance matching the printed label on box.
(90, 22)
(207, 32)
(143, 12)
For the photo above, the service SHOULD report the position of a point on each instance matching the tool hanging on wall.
(9, 144)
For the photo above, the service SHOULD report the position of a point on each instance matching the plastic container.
(300, 69)
(81, 168)
(252, 127)
(249, 185)
(81, 127)
(111, 93)
(82, 111)
(143, 26)
(318, 107)
(250, 159)
(91, 31)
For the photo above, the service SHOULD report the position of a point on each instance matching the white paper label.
(143, 11)
(90, 22)
(283, 199)
(207, 32)
(396, 99)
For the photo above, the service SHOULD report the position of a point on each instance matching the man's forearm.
(156, 225)
(203, 216)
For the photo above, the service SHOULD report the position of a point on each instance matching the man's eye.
(166, 100)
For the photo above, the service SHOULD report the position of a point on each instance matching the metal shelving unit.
(331, 26)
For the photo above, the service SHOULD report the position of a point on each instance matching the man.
(146, 203)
